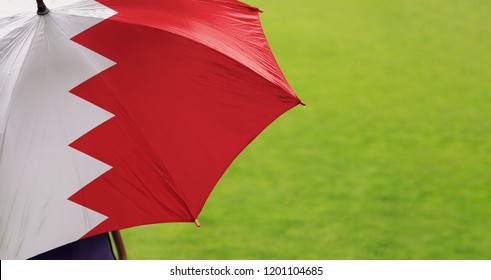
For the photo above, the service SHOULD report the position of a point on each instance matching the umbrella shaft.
(40, 3)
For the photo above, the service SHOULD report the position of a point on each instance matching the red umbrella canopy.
(186, 85)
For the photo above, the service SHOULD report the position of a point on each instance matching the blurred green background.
(390, 159)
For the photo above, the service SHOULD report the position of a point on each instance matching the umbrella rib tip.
(196, 222)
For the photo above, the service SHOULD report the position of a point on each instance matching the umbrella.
(118, 113)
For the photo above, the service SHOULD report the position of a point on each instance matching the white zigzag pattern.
(39, 118)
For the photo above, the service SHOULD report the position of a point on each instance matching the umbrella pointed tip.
(42, 10)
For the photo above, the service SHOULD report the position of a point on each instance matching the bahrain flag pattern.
(39, 171)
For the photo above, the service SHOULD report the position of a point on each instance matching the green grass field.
(391, 159)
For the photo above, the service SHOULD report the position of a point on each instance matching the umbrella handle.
(118, 241)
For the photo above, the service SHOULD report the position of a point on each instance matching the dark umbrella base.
(96, 247)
